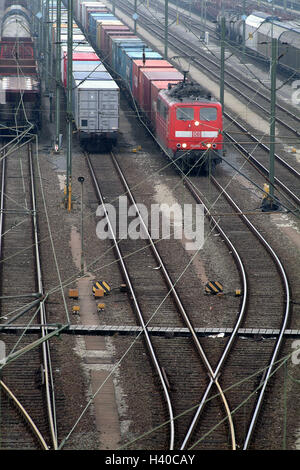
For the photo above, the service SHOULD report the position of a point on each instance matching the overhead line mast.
(69, 107)
(58, 75)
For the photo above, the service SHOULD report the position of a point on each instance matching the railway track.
(287, 174)
(263, 357)
(28, 405)
(256, 265)
(159, 309)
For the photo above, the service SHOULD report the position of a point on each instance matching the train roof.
(261, 20)
(186, 90)
(291, 37)
(266, 29)
(19, 83)
(289, 25)
(96, 85)
(261, 15)
(15, 22)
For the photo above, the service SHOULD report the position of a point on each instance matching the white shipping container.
(96, 106)
(64, 53)
(86, 66)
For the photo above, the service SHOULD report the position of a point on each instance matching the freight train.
(186, 121)
(260, 27)
(212, 8)
(20, 92)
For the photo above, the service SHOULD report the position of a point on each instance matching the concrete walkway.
(97, 359)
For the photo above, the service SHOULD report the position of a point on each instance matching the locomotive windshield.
(208, 114)
(185, 114)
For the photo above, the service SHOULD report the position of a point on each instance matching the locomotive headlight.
(184, 146)
(197, 123)
(208, 146)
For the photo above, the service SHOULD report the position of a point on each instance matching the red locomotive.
(189, 127)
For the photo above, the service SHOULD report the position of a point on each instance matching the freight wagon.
(94, 91)
(187, 122)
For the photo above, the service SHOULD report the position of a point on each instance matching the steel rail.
(24, 413)
(49, 385)
(197, 23)
(136, 306)
(262, 145)
(241, 315)
(213, 375)
(224, 352)
(33, 213)
(243, 276)
(259, 165)
(286, 314)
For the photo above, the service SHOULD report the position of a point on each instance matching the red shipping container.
(140, 91)
(91, 56)
(105, 29)
(149, 75)
(156, 87)
(139, 65)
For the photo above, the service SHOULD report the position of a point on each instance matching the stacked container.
(118, 42)
(93, 19)
(104, 23)
(90, 7)
(156, 87)
(88, 54)
(109, 29)
(149, 75)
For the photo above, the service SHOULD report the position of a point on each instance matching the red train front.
(189, 127)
